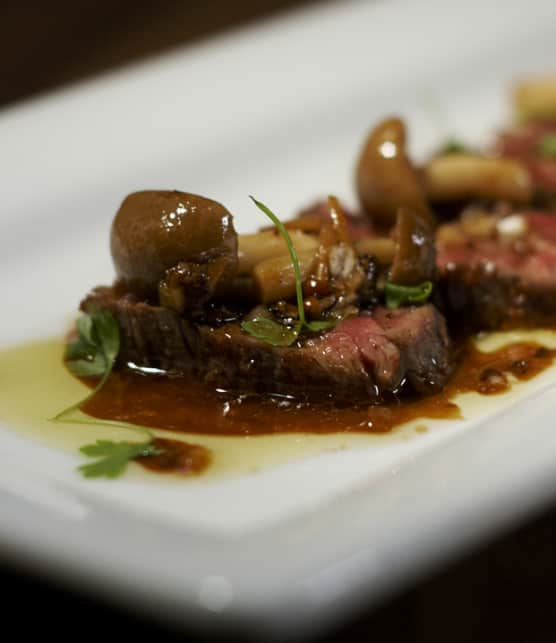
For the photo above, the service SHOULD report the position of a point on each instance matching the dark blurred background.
(501, 592)
(44, 45)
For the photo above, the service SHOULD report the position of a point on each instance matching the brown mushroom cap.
(385, 178)
(155, 230)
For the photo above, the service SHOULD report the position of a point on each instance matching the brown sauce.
(183, 405)
(176, 457)
(487, 373)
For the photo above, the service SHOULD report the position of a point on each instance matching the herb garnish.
(114, 457)
(92, 353)
(268, 329)
(397, 295)
(454, 146)
(547, 145)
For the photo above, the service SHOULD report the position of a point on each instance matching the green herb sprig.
(270, 330)
(397, 295)
(94, 352)
(547, 146)
(113, 457)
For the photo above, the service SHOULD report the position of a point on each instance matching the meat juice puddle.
(246, 436)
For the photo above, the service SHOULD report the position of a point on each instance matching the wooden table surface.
(502, 592)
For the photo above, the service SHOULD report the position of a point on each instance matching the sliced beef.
(523, 143)
(361, 359)
(417, 335)
(501, 274)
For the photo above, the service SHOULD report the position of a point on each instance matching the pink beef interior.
(532, 259)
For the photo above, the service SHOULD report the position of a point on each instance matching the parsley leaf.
(270, 331)
(86, 367)
(547, 145)
(316, 326)
(397, 295)
(93, 352)
(113, 457)
(274, 332)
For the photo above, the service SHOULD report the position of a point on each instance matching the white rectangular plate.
(278, 111)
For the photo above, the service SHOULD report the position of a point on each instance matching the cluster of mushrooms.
(181, 251)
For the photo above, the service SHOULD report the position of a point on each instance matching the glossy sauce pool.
(239, 434)
(184, 405)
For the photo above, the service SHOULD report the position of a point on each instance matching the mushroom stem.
(254, 248)
(464, 176)
(274, 278)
